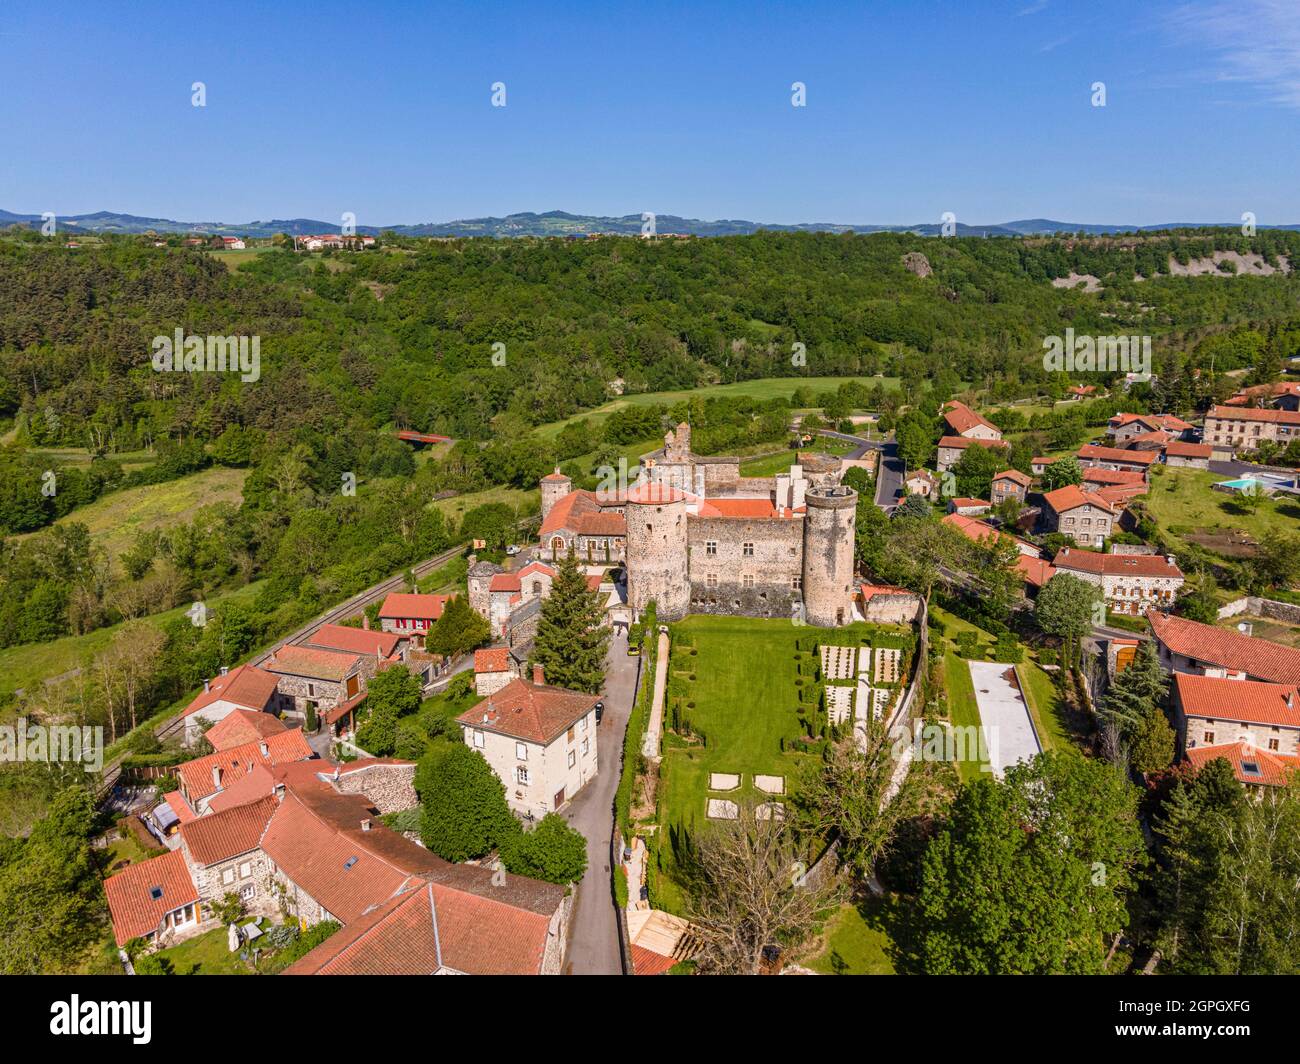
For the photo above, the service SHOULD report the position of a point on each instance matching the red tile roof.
(1188, 450)
(554, 478)
(1036, 571)
(960, 443)
(1113, 477)
(1258, 658)
(648, 962)
(235, 763)
(870, 591)
(492, 659)
(1023, 479)
(135, 912)
(1115, 454)
(1091, 561)
(602, 524)
(537, 567)
(525, 710)
(1168, 422)
(246, 686)
(431, 927)
(1071, 497)
(960, 502)
(219, 836)
(1248, 413)
(316, 664)
(505, 582)
(1251, 701)
(242, 726)
(400, 605)
(183, 812)
(1271, 770)
(1118, 496)
(655, 493)
(355, 640)
(251, 787)
(962, 418)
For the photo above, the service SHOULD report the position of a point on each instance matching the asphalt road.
(889, 477)
(593, 926)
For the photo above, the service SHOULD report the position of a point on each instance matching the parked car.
(513, 549)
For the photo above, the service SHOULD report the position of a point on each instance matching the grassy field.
(1045, 706)
(1183, 504)
(858, 940)
(236, 259)
(763, 388)
(963, 710)
(24, 667)
(79, 456)
(457, 505)
(116, 519)
(746, 717)
(770, 465)
(209, 953)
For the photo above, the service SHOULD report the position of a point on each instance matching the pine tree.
(571, 634)
(1137, 691)
(459, 630)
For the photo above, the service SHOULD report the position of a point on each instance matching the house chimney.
(265, 750)
(277, 792)
(224, 670)
(365, 824)
(539, 675)
(216, 775)
(336, 773)
(365, 622)
(207, 686)
(1290, 700)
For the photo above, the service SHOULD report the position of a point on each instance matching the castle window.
(711, 548)
(796, 583)
(747, 549)
(747, 580)
(521, 775)
(1209, 738)
(711, 580)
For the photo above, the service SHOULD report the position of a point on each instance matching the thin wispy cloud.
(1257, 42)
(1032, 9)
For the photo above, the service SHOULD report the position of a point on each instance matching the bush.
(552, 851)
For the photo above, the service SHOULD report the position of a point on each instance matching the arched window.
(557, 544)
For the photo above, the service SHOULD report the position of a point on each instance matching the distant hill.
(561, 223)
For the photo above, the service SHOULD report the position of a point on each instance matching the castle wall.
(657, 558)
(751, 568)
(828, 555)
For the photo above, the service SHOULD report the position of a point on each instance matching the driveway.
(593, 926)
(1008, 730)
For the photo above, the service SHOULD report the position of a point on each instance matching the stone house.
(1229, 429)
(320, 678)
(923, 483)
(411, 614)
(1092, 455)
(245, 687)
(1084, 517)
(964, 422)
(1130, 583)
(1124, 427)
(539, 740)
(1254, 725)
(951, 448)
(208, 779)
(1188, 646)
(493, 669)
(1191, 455)
(1009, 484)
(224, 855)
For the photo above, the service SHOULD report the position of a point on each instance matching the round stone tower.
(555, 486)
(828, 546)
(656, 550)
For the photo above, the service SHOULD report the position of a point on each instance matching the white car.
(512, 549)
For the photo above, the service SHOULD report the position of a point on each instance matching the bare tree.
(750, 890)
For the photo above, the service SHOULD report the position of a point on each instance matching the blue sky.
(913, 109)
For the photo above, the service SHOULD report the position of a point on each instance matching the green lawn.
(1184, 505)
(209, 954)
(963, 710)
(857, 940)
(115, 519)
(746, 704)
(457, 505)
(1045, 706)
(771, 464)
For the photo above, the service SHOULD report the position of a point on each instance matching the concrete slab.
(721, 809)
(724, 781)
(1008, 729)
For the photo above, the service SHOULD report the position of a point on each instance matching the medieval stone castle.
(697, 537)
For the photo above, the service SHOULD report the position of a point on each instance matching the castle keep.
(697, 537)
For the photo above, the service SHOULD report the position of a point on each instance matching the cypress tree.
(571, 634)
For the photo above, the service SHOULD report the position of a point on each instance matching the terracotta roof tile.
(246, 686)
(492, 659)
(400, 605)
(219, 836)
(1258, 658)
(1071, 497)
(1091, 561)
(1188, 450)
(1252, 701)
(1023, 479)
(131, 902)
(311, 662)
(1249, 763)
(242, 726)
(528, 711)
(235, 763)
(1094, 452)
(962, 418)
(355, 640)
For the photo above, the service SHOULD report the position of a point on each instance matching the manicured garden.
(858, 939)
(744, 697)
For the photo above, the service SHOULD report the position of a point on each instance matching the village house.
(591, 525)
(243, 726)
(1009, 484)
(411, 614)
(951, 448)
(374, 647)
(1284, 395)
(154, 900)
(964, 422)
(321, 679)
(883, 604)
(969, 507)
(1083, 516)
(1094, 456)
(1030, 563)
(1038, 466)
(493, 669)
(1187, 646)
(233, 243)
(1124, 427)
(1189, 455)
(1229, 429)
(205, 781)
(540, 741)
(1254, 725)
(923, 483)
(245, 687)
(1130, 583)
